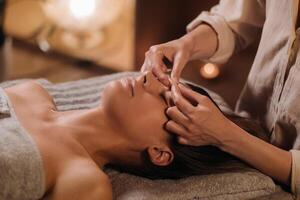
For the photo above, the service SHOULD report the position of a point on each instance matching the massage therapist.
(271, 94)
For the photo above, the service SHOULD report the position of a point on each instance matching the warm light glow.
(83, 15)
(82, 8)
(209, 71)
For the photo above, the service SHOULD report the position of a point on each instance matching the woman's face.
(137, 108)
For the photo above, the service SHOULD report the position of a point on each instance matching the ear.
(161, 156)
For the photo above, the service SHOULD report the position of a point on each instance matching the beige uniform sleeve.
(237, 23)
(295, 176)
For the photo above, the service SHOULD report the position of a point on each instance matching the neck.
(94, 132)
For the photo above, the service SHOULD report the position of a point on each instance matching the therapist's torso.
(272, 91)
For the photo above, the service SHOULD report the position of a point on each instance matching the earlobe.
(161, 156)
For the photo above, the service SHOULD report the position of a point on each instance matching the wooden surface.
(26, 61)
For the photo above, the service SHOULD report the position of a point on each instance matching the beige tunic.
(272, 91)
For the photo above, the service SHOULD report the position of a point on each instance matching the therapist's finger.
(160, 71)
(179, 62)
(159, 68)
(177, 129)
(146, 66)
(162, 77)
(182, 104)
(183, 141)
(154, 62)
(192, 96)
(175, 115)
(158, 59)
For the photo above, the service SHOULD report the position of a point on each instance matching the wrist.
(232, 138)
(188, 43)
(203, 42)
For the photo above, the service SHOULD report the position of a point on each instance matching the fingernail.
(182, 141)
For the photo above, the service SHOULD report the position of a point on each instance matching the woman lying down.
(51, 154)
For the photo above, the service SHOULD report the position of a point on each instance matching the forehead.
(148, 117)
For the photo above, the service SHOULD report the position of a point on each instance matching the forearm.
(265, 157)
(202, 42)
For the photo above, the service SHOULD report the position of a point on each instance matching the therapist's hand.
(176, 51)
(195, 118)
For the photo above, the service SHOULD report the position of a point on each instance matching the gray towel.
(21, 171)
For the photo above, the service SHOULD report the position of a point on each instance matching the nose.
(152, 84)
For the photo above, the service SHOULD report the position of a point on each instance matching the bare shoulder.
(82, 179)
(30, 84)
(30, 90)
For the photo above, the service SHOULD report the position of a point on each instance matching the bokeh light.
(82, 8)
(209, 71)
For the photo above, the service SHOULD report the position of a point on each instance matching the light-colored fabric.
(21, 170)
(272, 91)
(236, 26)
(83, 94)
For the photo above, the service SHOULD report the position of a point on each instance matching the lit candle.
(209, 71)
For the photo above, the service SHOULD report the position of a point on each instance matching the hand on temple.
(195, 118)
(176, 51)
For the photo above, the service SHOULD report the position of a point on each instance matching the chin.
(113, 95)
(110, 91)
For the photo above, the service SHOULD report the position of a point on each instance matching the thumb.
(192, 96)
(179, 63)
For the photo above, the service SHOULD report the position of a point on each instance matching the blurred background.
(64, 40)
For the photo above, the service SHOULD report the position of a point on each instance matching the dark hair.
(189, 160)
